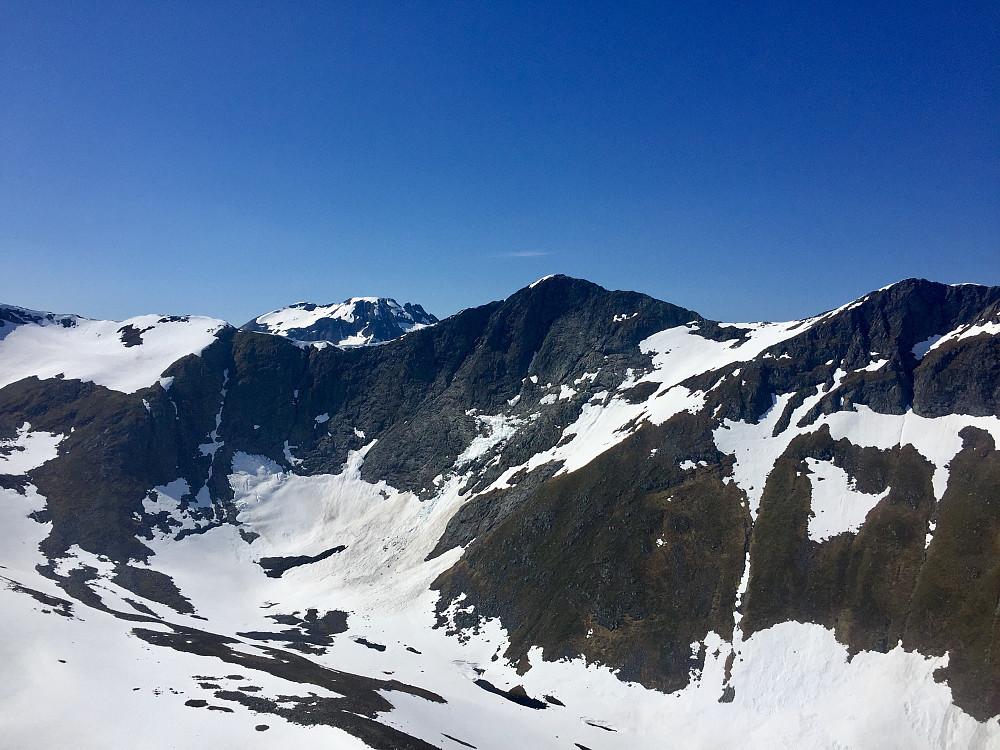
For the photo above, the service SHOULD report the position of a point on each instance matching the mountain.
(359, 321)
(572, 518)
(121, 355)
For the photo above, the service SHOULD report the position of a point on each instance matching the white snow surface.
(497, 430)
(28, 450)
(935, 438)
(837, 506)
(533, 284)
(755, 450)
(93, 350)
(920, 349)
(793, 684)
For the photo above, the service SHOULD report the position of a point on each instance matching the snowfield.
(98, 351)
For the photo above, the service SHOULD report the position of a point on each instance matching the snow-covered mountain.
(573, 518)
(359, 321)
(122, 355)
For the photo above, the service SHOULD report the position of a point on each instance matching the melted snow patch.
(837, 506)
(387, 534)
(497, 429)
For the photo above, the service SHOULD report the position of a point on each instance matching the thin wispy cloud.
(523, 254)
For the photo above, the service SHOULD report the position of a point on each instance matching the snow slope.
(99, 351)
(793, 684)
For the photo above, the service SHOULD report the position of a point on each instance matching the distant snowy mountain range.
(572, 518)
(359, 321)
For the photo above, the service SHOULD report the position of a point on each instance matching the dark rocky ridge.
(630, 559)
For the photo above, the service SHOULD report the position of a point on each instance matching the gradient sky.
(230, 158)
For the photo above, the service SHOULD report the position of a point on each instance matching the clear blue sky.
(229, 158)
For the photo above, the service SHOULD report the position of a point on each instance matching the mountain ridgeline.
(626, 553)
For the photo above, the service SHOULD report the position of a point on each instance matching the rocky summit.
(359, 321)
(574, 518)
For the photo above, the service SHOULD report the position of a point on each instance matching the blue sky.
(749, 163)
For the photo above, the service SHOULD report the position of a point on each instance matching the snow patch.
(967, 331)
(837, 506)
(544, 278)
(935, 438)
(920, 350)
(28, 450)
(292, 460)
(497, 429)
(875, 365)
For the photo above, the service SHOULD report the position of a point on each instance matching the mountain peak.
(357, 321)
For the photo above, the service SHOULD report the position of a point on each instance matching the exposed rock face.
(674, 528)
(11, 316)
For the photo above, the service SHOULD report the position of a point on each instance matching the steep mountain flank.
(626, 561)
